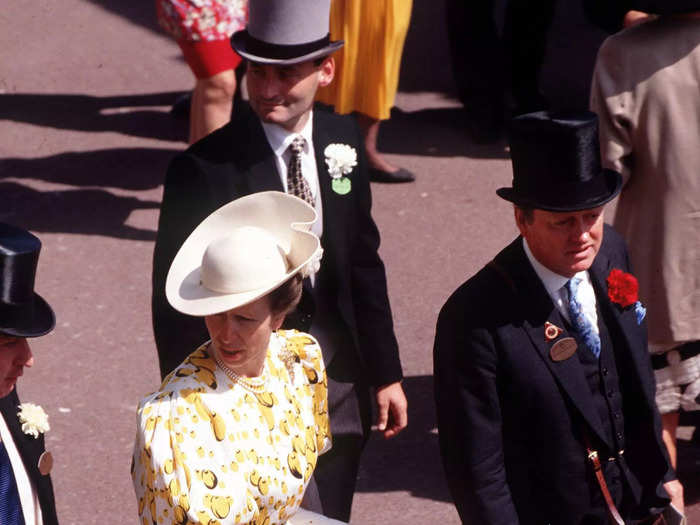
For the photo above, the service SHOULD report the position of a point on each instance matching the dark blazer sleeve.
(375, 327)
(184, 206)
(469, 415)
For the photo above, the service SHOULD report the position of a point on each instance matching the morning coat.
(236, 160)
(511, 419)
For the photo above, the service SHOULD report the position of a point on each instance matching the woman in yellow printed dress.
(367, 70)
(234, 432)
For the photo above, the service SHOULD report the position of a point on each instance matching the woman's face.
(240, 336)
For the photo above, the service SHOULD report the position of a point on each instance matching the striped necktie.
(296, 183)
(10, 506)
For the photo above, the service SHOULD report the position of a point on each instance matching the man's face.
(564, 242)
(284, 95)
(14, 356)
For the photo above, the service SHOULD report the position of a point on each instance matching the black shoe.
(401, 175)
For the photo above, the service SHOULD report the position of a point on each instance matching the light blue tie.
(580, 322)
(10, 506)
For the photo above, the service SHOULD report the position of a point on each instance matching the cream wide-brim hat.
(241, 252)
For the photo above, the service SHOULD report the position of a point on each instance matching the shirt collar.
(552, 281)
(280, 139)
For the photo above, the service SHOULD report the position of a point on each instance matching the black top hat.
(23, 313)
(285, 32)
(556, 163)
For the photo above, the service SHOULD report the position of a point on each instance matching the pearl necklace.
(254, 385)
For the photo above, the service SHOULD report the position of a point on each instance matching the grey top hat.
(285, 32)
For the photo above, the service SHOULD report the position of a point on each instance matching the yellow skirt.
(367, 67)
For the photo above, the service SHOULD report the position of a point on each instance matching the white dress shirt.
(28, 497)
(280, 140)
(555, 285)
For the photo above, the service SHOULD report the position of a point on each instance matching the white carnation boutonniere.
(33, 418)
(340, 159)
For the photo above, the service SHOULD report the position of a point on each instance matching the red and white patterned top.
(202, 20)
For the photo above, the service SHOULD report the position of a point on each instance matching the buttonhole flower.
(340, 159)
(33, 418)
(623, 288)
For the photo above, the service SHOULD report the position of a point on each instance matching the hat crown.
(247, 259)
(19, 255)
(554, 148)
(288, 22)
(23, 313)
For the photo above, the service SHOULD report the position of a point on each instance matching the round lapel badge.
(551, 331)
(341, 186)
(45, 463)
(563, 349)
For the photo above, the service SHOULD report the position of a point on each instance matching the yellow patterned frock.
(367, 67)
(213, 451)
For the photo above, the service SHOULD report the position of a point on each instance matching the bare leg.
(212, 101)
(669, 424)
(370, 131)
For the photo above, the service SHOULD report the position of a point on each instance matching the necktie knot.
(297, 145)
(572, 286)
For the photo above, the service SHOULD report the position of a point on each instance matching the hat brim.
(286, 217)
(40, 322)
(569, 196)
(240, 44)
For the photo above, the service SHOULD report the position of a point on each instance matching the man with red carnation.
(543, 386)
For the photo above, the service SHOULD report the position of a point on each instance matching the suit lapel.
(248, 157)
(538, 308)
(624, 321)
(29, 448)
(261, 162)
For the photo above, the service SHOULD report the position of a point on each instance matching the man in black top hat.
(280, 141)
(540, 359)
(26, 493)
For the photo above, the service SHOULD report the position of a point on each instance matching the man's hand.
(392, 405)
(675, 491)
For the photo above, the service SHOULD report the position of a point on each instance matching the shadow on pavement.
(411, 461)
(128, 114)
(91, 212)
(437, 132)
(127, 168)
(137, 11)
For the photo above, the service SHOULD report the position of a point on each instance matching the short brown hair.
(285, 297)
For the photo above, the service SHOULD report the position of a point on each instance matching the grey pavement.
(85, 138)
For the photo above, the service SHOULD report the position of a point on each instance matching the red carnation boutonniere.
(623, 289)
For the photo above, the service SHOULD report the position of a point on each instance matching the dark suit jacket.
(237, 160)
(511, 419)
(30, 449)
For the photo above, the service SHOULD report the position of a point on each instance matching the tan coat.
(646, 91)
